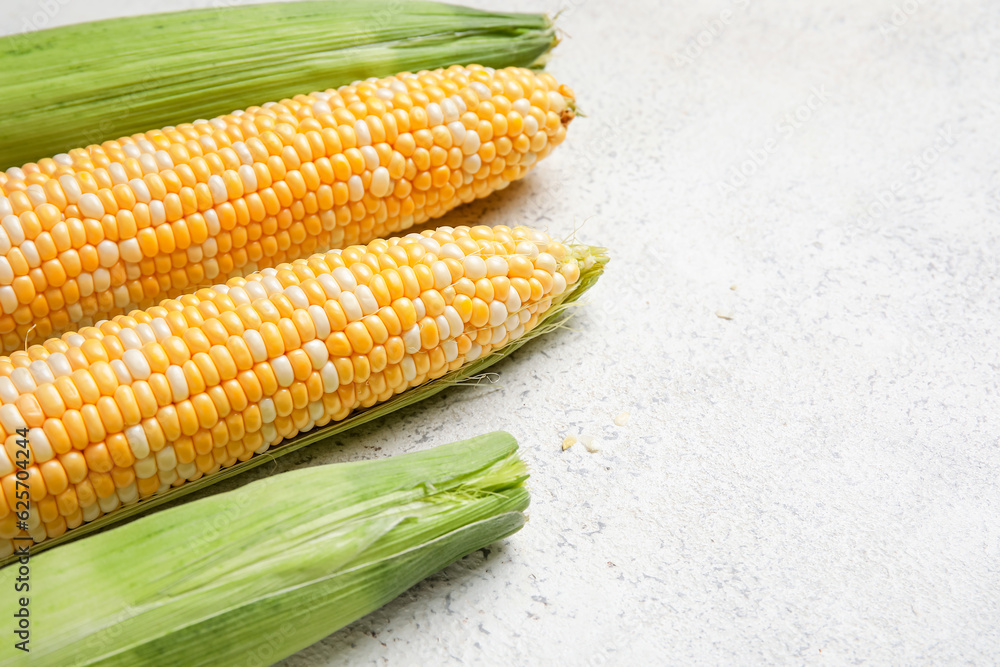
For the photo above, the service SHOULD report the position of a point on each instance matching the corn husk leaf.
(77, 85)
(253, 575)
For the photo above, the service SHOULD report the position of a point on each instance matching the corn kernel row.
(151, 400)
(98, 231)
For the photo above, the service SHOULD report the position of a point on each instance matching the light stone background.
(811, 481)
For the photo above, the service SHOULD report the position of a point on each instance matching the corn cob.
(82, 84)
(93, 233)
(253, 575)
(161, 397)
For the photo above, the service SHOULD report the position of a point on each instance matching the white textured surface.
(812, 481)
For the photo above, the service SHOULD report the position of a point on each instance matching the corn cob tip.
(570, 111)
(589, 256)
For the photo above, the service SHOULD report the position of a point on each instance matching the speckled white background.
(812, 481)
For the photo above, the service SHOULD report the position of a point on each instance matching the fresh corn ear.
(254, 575)
(180, 391)
(96, 232)
(83, 84)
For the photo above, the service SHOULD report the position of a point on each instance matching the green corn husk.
(593, 261)
(254, 575)
(72, 86)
